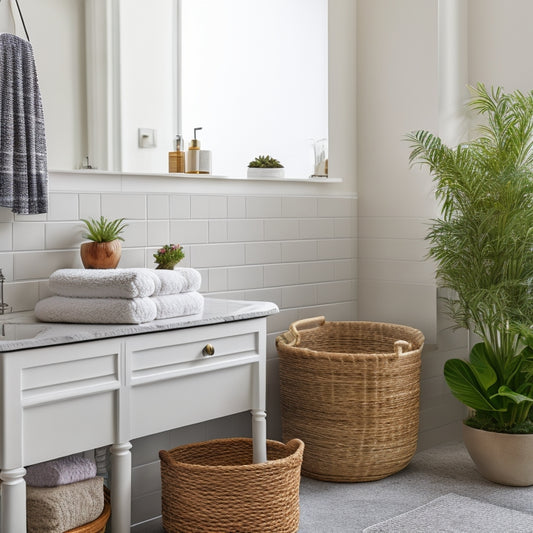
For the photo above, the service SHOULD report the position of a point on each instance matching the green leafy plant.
(103, 230)
(483, 248)
(168, 256)
(265, 161)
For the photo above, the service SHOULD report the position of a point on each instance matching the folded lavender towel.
(95, 310)
(171, 305)
(177, 281)
(104, 283)
(60, 471)
(58, 509)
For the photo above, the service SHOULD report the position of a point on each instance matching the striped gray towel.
(23, 163)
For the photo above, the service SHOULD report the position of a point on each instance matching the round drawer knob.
(209, 349)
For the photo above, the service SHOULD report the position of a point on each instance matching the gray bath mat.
(453, 513)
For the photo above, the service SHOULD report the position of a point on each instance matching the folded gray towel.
(60, 471)
(58, 509)
(23, 163)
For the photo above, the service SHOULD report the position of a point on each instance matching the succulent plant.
(265, 161)
(103, 230)
(168, 256)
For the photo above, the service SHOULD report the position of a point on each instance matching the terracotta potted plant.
(105, 248)
(264, 166)
(483, 248)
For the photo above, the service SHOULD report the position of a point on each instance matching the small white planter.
(501, 457)
(266, 173)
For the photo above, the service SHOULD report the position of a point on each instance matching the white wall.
(293, 244)
(55, 28)
(148, 69)
(500, 43)
(398, 92)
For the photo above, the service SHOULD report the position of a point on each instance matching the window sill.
(93, 180)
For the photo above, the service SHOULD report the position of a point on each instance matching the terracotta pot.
(501, 457)
(101, 254)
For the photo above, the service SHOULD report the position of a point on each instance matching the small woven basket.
(350, 391)
(98, 525)
(213, 486)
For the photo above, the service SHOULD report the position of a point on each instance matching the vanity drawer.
(173, 382)
(160, 356)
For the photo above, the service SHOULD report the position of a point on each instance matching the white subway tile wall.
(291, 250)
(249, 246)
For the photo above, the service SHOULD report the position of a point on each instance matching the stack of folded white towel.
(120, 296)
(62, 494)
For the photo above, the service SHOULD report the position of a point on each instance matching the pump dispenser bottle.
(198, 161)
(176, 159)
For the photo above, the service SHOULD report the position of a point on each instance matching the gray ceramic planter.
(501, 457)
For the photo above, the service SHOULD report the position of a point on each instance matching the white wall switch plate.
(147, 138)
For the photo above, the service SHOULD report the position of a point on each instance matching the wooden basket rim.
(283, 341)
(297, 444)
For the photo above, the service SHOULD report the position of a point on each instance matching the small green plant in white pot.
(265, 166)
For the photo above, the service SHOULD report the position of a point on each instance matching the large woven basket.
(350, 391)
(213, 486)
(99, 524)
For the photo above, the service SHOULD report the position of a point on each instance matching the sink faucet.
(3, 305)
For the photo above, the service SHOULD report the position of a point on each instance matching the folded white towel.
(177, 281)
(60, 471)
(104, 283)
(96, 310)
(171, 305)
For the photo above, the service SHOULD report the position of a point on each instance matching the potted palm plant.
(104, 249)
(483, 247)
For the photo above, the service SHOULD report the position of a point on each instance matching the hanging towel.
(173, 305)
(104, 283)
(60, 471)
(59, 509)
(23, 163)
(95, 310)
(178, 280)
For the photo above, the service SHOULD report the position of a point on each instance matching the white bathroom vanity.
(69, 388)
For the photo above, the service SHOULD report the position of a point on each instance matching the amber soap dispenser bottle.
(176, 159)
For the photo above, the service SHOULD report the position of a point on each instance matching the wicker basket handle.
(292, 337)
(402, 346)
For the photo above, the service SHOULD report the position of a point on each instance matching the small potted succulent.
(104, 249)
(265, 166)
(168, 256)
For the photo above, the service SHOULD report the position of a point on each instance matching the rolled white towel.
(172, 305)
(177, 281)
(62, 471)
(96, 310)
(104, 283)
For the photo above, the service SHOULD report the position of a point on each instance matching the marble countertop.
(20, 331)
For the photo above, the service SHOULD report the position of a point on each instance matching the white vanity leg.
(259, 435)
(13, 504)
(121, 487)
